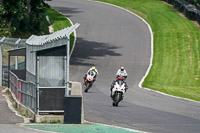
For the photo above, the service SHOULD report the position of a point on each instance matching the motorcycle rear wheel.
(86, 88)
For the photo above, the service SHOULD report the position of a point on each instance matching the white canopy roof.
(41, 40)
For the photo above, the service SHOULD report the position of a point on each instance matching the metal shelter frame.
(15, 42)
(41, 43)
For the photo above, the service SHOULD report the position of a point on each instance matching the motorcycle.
(89, 80)
(118, 91)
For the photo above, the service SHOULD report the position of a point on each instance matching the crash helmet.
(122, 68)
(93, 67)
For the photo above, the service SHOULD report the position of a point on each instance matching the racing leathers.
(94, 70)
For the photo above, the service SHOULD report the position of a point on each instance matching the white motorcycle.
(89, 80)
(117, 92)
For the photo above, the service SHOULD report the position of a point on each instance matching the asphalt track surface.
(110, 37)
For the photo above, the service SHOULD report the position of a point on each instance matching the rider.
(120, 72)
(94, 70)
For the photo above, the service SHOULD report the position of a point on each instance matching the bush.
(21, 20)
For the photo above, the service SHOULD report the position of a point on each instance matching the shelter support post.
(37, 86)
(67, 66)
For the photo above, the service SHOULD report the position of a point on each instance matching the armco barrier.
(191, 12)
(169, 1)
(180, 5)
(198, 17)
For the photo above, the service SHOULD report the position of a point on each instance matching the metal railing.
(25, 92)
(4, 77)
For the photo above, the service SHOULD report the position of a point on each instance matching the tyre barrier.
(191, 12)
(189, 8)
(180, 5)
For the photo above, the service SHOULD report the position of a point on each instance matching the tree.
(24, 15)
(1, 2)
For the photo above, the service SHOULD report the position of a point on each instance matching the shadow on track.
(66, 11)
(90, 50)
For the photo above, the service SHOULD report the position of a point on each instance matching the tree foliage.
(197, 1)
(24, 16)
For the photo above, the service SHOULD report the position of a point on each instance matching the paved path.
(7, 116)
(8, 119)
(108, 38)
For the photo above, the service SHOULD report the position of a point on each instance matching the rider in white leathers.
(122, 72)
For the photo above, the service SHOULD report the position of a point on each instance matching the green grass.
(59, 22)
(176, 59)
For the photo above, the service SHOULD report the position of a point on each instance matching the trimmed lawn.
(176, 58)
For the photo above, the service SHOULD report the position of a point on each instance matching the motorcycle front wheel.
(117, 98)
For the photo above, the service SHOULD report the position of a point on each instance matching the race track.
(110, 37)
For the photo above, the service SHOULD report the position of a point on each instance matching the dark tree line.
(22, 16)
(197, 1)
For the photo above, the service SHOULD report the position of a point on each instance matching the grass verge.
(176, 58)
(59, 22)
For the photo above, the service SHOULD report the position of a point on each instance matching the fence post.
(37, 85)
(1, 60)
(0, 66)
(16, 58)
